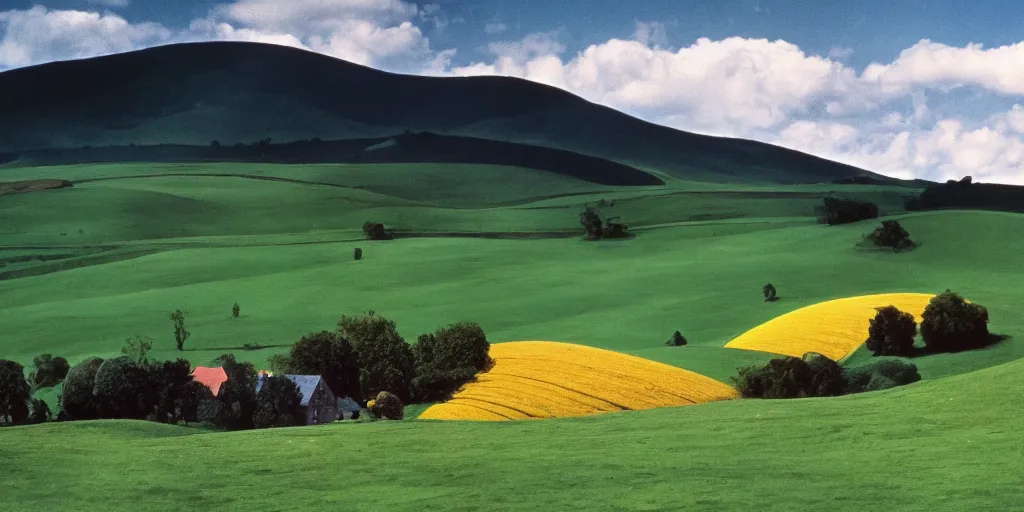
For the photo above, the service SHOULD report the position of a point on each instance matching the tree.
(386, 406)
(180, 333)
(591, 221)
(278, 404)
(786, 377)
(236, 401)
(615, 229)
(769, 292)
(39, 412)
(449, 358)
(375, 231)
(49, 371)
(77, 400)
(891, 332)
(332, 357)
(168, 382)
(235, 310)
(190, 396)
(357, 254)
(677, 340)
(826, 375)
(836, 210)
(951, 324)
(384, 358)
(15, 393)
(137, 348)
(891, 234)
(122, 389)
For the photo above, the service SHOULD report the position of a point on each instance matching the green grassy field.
(283, 251)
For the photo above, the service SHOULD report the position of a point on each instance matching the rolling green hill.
(241, 92)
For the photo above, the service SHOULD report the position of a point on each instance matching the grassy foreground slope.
(952, 444)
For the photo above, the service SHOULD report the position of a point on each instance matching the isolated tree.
(137, 349)
(591, 221)
(235, 310)
(769, 292)
(449, 358)
(677, 340)
(49, 371)
(951, 324)
(891, 332)
(278, 404)
(332, 357)
(386, 406)
(77, 399)
(385, 360)
(375, 231)
(180, 333)
(891, 234)
(15, 393)
(358, 254)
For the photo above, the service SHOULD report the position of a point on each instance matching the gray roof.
(307, 385)
(349, 405)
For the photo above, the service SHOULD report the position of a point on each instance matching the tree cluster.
(376, 231)
(598, 229)
(949, 324)
(836, 210)
(891, 235)
(815, 375)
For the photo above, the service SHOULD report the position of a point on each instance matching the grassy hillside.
(242, 92)
(952, 444)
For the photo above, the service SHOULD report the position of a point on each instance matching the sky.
(908, 88)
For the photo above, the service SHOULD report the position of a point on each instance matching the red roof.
(210, 377)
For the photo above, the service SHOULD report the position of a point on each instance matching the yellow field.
(541, 379)
(835, 328)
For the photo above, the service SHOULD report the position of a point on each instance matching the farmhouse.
(318, 401)
(210, 377)
(348, 409)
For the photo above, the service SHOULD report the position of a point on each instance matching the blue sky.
(903, 87)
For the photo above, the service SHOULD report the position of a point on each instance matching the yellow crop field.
(834, 328)
(541, 379)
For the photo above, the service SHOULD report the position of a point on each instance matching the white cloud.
(937, 66)
(495, 27)
(111, 3)
(840, 52)
(651, 33)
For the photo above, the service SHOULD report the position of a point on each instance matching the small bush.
(677, 340)
(886, 372)
(892, 235)
(769, 292)
(49, 371)
(951, 324)
(278, 404)
(376, 231)
(891, 332)
(615, 229)
(77, 399)
(836, 211)
(357, 254)
(236, 310)
(387, 406)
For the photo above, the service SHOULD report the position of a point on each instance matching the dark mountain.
(196, 92)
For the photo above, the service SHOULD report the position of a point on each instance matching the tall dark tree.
(591, 221)
(49, 371)
(449, 358)
(950, 323)
(15, 393)
(77, 399)
(385, 359)
(891, 332)
(168, 382)
(188, 400)
(278, 404)
(332, 357)
(180, 333)
(122, 389)
(237, 396)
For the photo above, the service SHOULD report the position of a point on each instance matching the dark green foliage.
(886, 372)
(15, 393)
(77, 399)
(237, 397)
(387, 406)
(189, 398)
(591, 221)
(966, 180)
(330, 356)
(49, 371)
(891, 332)
(168, 382)
(137, 349)
(376, 231)
(677, 340)
(769, 292)
(837, 210)
(281, 363)
(951, 324)
(385, 360)
(786, 377)
(39, 412)
(449, 358)
(278, 404)
(122, 389)
(358, 254)
(615, 229)
(180, 333)
(892, 235)
(236, 310)
(826, 375)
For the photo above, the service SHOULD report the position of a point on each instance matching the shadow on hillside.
(992, 340)
(243, 347)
